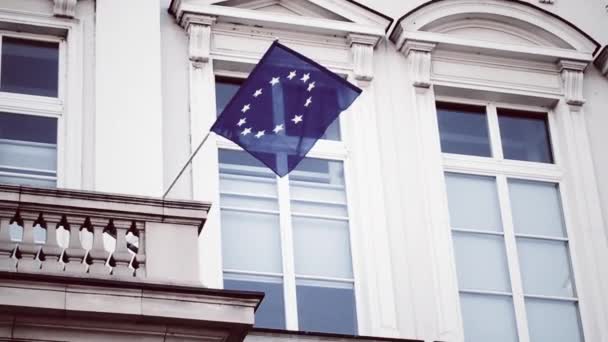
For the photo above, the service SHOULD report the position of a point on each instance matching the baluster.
(52, 251)
(98, 254)
(121, 255)
(7, 263)
(30, 246)
(15, 236)
(140, 257)
(86, 240)
(75, 253)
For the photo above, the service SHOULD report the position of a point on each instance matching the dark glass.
(271, 313)
(327, 309)
(38, 129)
(463, 129)
(226, 88)
(29, 67)
(525, 136)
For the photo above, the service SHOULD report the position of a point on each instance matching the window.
(508, 229)
(522, 135)
(288, 237)
(29, 110)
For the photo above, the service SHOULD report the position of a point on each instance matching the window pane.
(29, 67)
(473, 202)
(525, 136)
(28, 149)
(224, 91)
(326, 307)
(536, 208)
(555, 321)
(322, 247)
(251, 241)
(488, 318)
(545, 267)
(481, 262)
(463, 129)
(271, 313)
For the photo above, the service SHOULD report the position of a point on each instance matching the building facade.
(460, 198)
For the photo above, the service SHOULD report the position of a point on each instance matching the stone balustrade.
(88, 234)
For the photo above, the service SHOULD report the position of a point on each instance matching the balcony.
(80, 265)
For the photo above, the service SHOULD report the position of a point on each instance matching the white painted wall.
(128, 111)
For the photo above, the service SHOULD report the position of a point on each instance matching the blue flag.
(284, 107)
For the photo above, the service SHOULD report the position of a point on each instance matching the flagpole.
(186, 165)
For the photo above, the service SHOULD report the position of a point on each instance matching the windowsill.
(327, 335)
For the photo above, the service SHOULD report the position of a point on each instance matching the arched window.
(496, 90)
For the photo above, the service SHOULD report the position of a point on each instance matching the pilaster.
(440, 319)
(65, 8)
(377, 282)
(204, 169)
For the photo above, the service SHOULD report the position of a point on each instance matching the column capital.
(362, 48)
(418, 54)
(198, 28)
(64, 8)
(572, 77)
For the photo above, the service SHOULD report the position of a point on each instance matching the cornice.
(181, 8)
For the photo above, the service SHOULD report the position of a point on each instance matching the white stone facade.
(137, 95)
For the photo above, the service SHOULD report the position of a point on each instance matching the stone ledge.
(125, 301)
(85, 203)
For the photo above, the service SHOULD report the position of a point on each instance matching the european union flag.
(284, 107)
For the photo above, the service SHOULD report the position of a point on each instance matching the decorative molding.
(418, 54)
(199, 37)
(362, 47)
(602, 60)
(65, 8)
(566, 39)
(572, 76)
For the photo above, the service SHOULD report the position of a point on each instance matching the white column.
(378, 315)
(436, 290)
(128, 111)
(205, 168)
(588, 243)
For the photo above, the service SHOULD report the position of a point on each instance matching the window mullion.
(512, 259)
(287, 250)
(494, 131)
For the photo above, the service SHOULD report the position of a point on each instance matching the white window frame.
(67, 107)
(33, 105)
(501, 170)
(324, 149)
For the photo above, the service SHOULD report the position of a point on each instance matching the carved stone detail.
(199, 35)
(418, 54)
(65, 8)
(362, 48)
(572, 76)
(602, 60)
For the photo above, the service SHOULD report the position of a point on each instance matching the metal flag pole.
(186, 165)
